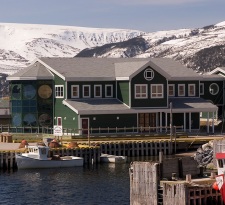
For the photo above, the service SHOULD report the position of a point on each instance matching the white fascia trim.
(51, 69)
(69, 106)
(186, 78)
(22, 78)
(218, 69)
(122, 78)
(89, 79)
(192, 110)
(154, 67)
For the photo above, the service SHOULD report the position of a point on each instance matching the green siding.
(178, 120)
(186, 83)
(158, 79)
(216, 99)
(123, 91)
(111, 121)
(69, 117)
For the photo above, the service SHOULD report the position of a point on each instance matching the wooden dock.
(121, 148)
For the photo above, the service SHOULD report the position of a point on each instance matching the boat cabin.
(38, 152)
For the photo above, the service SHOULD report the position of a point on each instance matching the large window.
(97, 91)
(108, 91)
(59, 91)
(181, 90)
(156, 91)
(86, 91)
(141, 91)
(75, 91)
(171, 89)
(191, 90)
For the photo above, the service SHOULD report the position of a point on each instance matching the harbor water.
(106, 184)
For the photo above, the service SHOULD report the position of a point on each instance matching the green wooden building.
(112, 95)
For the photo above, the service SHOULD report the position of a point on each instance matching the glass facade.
(32, 103)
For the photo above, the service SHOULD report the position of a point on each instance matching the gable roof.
(218, 71)
(36, 71)
(106, 69)
(174, 70)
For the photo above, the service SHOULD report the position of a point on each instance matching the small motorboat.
(37, 157)
(113, 158)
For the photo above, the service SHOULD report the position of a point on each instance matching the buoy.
(215, 186)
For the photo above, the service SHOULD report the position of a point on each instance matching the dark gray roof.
(82, 68)
(126, 69)
(175, 70)
(94, 106)
(213, 77)
(36, 71)
(109, 68)
(192, 104)
(97, 106)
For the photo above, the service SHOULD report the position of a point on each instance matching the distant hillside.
(200, 49)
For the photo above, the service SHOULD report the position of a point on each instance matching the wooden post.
(89, 144)
(188, 178)
(160, 157)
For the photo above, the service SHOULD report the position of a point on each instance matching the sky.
(143, 15)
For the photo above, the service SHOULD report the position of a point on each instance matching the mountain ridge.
(201, 49)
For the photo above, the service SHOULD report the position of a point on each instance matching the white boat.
(112, 158)
(37, 157)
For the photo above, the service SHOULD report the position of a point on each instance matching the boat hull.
(24, 162)
(113, 159)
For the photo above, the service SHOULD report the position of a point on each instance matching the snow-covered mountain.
(21, 43)
(200, 49)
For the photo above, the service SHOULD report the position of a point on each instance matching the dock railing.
(95, 131)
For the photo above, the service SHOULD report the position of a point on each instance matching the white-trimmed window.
(86, 91)
(141, 91)
(191, 90)
(201, 88)
(214, 88)
(59, 91)
(108, 91)
(171, 89)
(97, 91)
(157, 91)
(75, 91)
(149, 74)
(181, 89)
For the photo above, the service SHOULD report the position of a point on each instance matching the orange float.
(215, 186)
